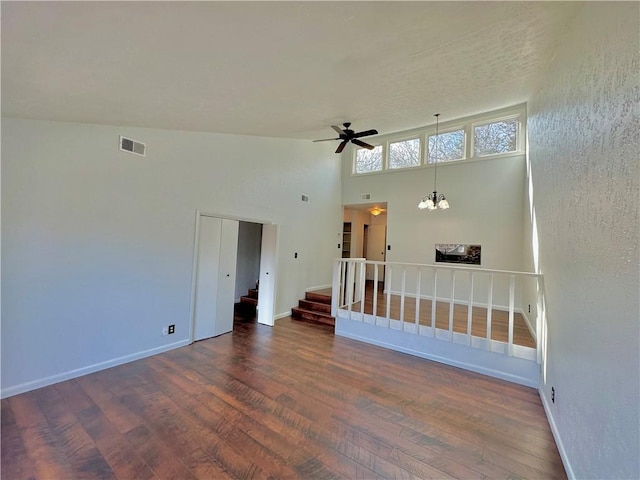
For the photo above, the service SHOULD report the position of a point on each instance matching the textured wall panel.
(583, 133)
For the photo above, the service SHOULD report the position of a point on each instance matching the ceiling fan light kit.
(434, 200)
(346, 135)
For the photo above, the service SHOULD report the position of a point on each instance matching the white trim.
(492, 361)
(319, 287)
(532, 330)
(79, 372)
(447, 163)
(194, 276)
(556, 436)
(282, 315)
(196, 254)
(234, 217)
(518, 116)
(465, 153)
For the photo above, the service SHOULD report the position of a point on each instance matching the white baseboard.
(319, 287)
(503, 308)
(282, 315)
(79, 372)
(532, 330)
(556, 436)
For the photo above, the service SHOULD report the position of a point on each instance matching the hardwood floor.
(292, 401)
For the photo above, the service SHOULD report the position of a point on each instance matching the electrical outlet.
(553, 395)
(172, 329)
(165, 331)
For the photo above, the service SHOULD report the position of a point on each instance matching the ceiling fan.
(347, 135)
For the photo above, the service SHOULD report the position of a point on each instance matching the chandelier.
(434, 200)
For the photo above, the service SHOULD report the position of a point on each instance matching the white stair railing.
(407, 285)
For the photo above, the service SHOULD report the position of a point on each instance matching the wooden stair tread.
(314, 306)
(249, 300)
(318, 297)
(315, 316)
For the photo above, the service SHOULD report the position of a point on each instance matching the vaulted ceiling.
(282, 69)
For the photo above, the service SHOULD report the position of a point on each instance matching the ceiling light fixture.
(375, 211)
(434, 200)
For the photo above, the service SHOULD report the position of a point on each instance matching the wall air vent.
(132, 146)
(365, 196)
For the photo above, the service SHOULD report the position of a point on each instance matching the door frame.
(270, 293)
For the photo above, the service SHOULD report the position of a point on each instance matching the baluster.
(539, 318)
(375, 294)
(434, 300)
(404, 281)
(418, 280)
(388, 272)
(350, 286)
(343, 283)
(363, 287)
(470, 308)
(335, 289)
(512, 294)
(489, 308)
(451, 302)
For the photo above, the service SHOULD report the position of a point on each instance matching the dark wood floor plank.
(15, 457)
(40, 440)
(292, 401)
(119, 416)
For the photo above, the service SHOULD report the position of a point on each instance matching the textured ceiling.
(283, 69)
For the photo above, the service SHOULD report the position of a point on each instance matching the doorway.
(368, 235)
(215, 272)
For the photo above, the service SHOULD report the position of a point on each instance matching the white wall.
(248, 265)
(487, 208)
(584, 151)
(358, 219)
(98, 244)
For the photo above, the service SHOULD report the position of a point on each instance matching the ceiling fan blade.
(366, 133)
(362, 144)
(341, 146)
(337, 129)
(326, 139)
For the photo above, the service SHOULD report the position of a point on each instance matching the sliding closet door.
(226, 277)
(215, 280)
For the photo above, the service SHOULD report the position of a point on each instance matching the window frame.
(454, 128)
(519, 143)
(387, 148)
(465, 124)
(355, 156)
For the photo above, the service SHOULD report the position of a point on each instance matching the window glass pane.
(368, 160)
(404, 154)
(449, 147)
(496, 137)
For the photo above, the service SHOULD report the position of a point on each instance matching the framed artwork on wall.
(458, 253)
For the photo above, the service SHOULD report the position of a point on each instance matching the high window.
(404, 154)
(495, 137)
(447, 147)
(459, 140)
(368, 161)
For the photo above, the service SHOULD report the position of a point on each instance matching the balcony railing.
(501, 312)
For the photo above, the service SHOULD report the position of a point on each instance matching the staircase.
(316, 307)
(248, 303)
